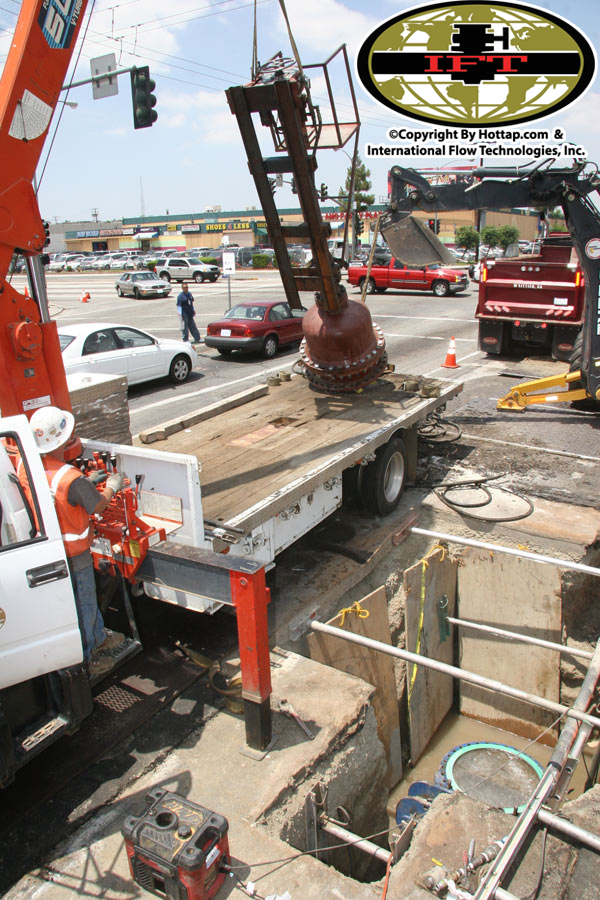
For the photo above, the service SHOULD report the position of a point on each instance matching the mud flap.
(493, 336)
(563, 341)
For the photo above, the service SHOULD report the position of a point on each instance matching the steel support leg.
(251, 597)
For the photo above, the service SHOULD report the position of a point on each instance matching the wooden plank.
(517, 595)
(161, 432)
(246, 481)
(374, 668)
(430, 694)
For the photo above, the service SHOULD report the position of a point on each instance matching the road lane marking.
(212, 389)
(428, 337)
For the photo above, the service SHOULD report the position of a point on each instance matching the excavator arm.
(31, 369)
(501, 188)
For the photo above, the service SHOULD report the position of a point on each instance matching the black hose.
(442, 490)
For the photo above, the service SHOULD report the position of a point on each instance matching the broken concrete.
(570, 872)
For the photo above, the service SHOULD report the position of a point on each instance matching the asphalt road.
(417, 329)
(552, 452)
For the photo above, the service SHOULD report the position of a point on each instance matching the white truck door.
(39, 631)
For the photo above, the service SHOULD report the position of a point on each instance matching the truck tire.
(382, 481)
(166, 276)
(370, 285)
(576, 355)
(440, 288)
(198, 277)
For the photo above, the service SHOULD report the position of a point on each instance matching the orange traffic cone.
(85, 296)
(451, 356)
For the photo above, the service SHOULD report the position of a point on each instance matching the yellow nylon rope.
(355, 608)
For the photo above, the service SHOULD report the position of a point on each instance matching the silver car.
(142, 284)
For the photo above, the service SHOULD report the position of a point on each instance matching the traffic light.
(293, 184)
(431, 223)
(323, 193)
(358, 224)
(437, 226)
(46, 232)
(272, 184)
(144, 101)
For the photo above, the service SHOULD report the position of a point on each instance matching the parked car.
(109, 349)
(256, 326)
(142, 284)
(189, 269)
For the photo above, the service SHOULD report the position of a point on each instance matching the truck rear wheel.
(575, 366)
(382, 481)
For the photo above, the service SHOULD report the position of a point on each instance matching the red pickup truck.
(535, 299)
(441, 280)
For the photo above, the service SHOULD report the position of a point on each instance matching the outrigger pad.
(414, 243)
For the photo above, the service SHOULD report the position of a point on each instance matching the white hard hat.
(52, 427)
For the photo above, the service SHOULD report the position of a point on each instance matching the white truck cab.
(37, 607)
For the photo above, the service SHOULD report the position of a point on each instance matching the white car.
(185, 269)
(109, 349)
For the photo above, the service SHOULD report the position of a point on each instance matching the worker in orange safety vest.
(76, 498)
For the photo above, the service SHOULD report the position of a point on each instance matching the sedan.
(257, 326)
(142, 284)
(107, 349)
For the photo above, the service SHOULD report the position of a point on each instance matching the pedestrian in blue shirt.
(185, 308)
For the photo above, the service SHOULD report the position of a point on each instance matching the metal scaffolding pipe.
(462, 674)
(522, 638)
(511, 551)
(354, 840)
(560, 757)
(573, 831)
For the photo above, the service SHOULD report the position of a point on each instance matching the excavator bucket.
(413, 242)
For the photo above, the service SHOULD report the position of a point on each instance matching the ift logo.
(476, 63)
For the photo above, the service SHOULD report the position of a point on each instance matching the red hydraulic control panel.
(177, 849)
(122, 538)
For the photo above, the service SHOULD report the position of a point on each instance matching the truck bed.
(258, 459)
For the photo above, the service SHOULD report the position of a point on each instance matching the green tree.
(509, 234)
(467, 237)
(490, 235)
(556, 220)
(362, 184)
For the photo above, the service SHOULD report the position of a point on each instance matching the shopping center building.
(247, 228)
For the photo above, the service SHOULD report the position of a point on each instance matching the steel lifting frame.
(280, 95)
(234, 582)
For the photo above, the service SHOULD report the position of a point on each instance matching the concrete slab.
(262, 800)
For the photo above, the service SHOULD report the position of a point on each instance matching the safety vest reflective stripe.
(54, 483)
(76, 537)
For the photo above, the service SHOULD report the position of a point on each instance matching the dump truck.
(532, 300)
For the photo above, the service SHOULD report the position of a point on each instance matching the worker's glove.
(116, 482)
(98, 476)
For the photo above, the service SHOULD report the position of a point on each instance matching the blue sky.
(193, 158)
